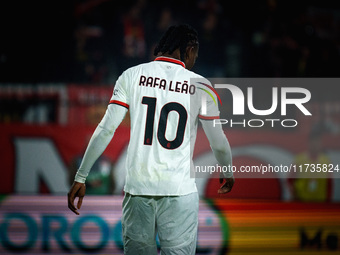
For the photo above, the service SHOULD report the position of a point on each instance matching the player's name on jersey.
(175, 86)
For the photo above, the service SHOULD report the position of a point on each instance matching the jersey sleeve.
(209, 107)
(120, 95)
(100, 140)
(219, 145)
(208, 99)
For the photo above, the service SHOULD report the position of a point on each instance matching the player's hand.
(77, 190)
(227, 186)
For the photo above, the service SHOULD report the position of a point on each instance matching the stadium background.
(58, 64)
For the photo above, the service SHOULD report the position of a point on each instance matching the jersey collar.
(171, 60)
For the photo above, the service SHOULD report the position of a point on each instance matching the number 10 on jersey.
(163, 121)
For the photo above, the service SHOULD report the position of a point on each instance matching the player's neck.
(176, 55)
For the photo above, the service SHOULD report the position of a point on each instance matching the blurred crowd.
(93, 41)
(245, 39)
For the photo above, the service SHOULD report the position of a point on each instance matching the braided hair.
(177, 37)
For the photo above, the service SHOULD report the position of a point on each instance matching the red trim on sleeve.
(208, 117)
(119, 103)
(210, 87)
(171, 60)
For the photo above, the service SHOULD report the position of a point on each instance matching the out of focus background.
(83, 41)
(59, 61)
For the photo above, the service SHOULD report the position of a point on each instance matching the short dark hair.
(177, 37)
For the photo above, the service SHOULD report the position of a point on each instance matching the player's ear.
(188, 52)
(192, 51)
(186, 56)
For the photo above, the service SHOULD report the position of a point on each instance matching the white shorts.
(173, 218)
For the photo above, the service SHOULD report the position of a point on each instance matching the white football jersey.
(164, 111)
